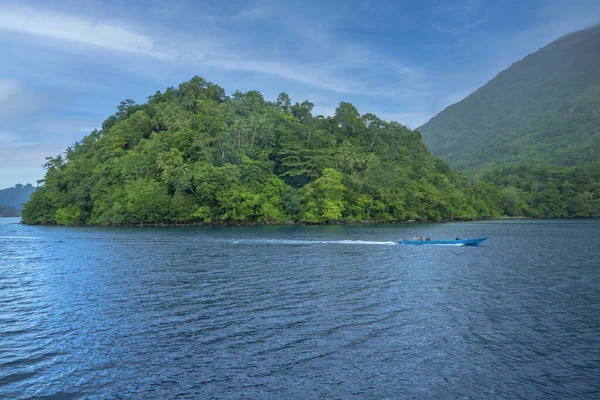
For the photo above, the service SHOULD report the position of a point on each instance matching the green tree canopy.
(194, 155)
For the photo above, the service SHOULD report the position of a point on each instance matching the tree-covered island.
(193, 155)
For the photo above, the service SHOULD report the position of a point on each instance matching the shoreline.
(292, 223)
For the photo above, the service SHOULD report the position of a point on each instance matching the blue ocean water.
(300, 312)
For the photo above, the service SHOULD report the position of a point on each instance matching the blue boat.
(459, 242)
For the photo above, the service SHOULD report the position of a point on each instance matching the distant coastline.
(293, 223)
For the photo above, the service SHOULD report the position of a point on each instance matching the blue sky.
(67, 64)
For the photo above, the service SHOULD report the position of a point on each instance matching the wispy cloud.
(75, 29)
(330, 71)
(72, 61)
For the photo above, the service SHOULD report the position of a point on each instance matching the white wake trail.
(312, 242)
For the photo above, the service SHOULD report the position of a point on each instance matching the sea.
(300, 312)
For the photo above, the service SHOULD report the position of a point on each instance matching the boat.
(459, 242)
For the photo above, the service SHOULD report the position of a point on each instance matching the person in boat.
(421, 238)
(416, 237)
(427, 238)
(458, 238)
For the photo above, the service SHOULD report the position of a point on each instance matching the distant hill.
(16, 196)
(544, 109)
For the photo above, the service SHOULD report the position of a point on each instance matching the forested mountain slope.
(16, 196)
(194, 155)
(544, 109)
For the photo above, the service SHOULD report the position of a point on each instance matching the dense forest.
(547, 191)
(533, 131)
(195, 155)
(544, 109)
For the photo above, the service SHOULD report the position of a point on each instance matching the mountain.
(193, 155)
(544, 109)
(16, 196)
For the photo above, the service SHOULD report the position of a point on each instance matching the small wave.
(366, 242)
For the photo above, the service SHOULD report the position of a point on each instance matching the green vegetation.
(533, 131)
(548, 191)
(544, 109)
(194, 155)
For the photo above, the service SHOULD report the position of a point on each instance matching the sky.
(68, 63)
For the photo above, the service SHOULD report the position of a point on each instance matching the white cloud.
(216, 47)
(281, 70)
(76, 29)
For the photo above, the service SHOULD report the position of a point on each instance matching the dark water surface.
(300, 312)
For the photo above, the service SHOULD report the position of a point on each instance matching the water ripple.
(305, 312)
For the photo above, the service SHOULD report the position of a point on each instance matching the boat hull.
(461, 242)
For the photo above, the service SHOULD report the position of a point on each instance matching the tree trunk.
(253, 136)
(206, 155)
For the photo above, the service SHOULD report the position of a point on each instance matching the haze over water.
(300, 312)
